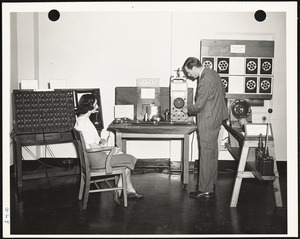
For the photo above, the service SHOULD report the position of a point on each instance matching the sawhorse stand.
(247, 160)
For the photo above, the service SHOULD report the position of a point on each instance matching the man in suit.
(210, 111)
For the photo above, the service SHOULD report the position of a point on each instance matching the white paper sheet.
(122, 111)
(147, 93)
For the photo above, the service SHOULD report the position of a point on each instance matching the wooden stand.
(246, 157)
(34, 139)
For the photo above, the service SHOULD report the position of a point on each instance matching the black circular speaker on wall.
(178, 103)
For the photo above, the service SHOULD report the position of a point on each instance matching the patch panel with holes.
(245, 66)
(50, 111)
(43, 111)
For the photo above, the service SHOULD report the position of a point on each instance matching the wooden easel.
(247, 160)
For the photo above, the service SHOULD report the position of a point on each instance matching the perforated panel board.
(245, 66)
(50, 111)
(43, 111)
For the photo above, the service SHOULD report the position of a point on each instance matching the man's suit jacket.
(210, 107)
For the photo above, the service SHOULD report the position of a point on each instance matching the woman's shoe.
(116, 198)
(134, 195)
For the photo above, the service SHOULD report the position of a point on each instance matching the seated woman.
(86, 106)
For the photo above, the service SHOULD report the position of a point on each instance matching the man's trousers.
(208, 163)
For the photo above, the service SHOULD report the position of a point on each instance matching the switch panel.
(43, 111)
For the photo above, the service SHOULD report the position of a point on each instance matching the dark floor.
(50, 206)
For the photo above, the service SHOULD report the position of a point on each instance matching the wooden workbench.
(156, 130)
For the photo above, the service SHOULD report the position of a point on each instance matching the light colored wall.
(110, 49)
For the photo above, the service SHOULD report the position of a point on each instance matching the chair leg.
(86, 194)
(81, 187)
(116, 180)
(124, 188)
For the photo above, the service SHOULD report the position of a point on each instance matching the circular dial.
(178, 103)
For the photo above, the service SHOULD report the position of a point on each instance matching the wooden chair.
(90, 176)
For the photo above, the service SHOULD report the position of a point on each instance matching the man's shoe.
(200, 194)
(196, 187)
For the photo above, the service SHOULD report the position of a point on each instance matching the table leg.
(185, 160)
(276, 187)
(124, 146)
(276, 184)
(119, 140)
(277, 191)
(18, 165)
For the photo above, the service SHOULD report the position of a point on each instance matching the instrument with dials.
(178, 98)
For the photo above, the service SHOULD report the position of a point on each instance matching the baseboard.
(153, 163)
(34, 166)
(193, 165)
(48, 167)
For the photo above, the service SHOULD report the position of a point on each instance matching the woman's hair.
(190, 62)
(86, 103)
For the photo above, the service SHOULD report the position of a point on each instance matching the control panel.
(178, 99)
(50, 111)
(43, 111)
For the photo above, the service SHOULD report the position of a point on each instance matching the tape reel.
(251, 84)
(251, 66)
(240, 109)
(265, 85)
(223, 65)
(208, 64)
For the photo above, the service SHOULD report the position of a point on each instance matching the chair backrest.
(81, 147)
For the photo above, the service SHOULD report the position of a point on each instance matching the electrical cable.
(50, 166)
(192, 142)
(29, 151)
(50, 151)
(73, 178)
(34, 157)
(192, 149)
(227, 170)
(46, 170)
(75, 172)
